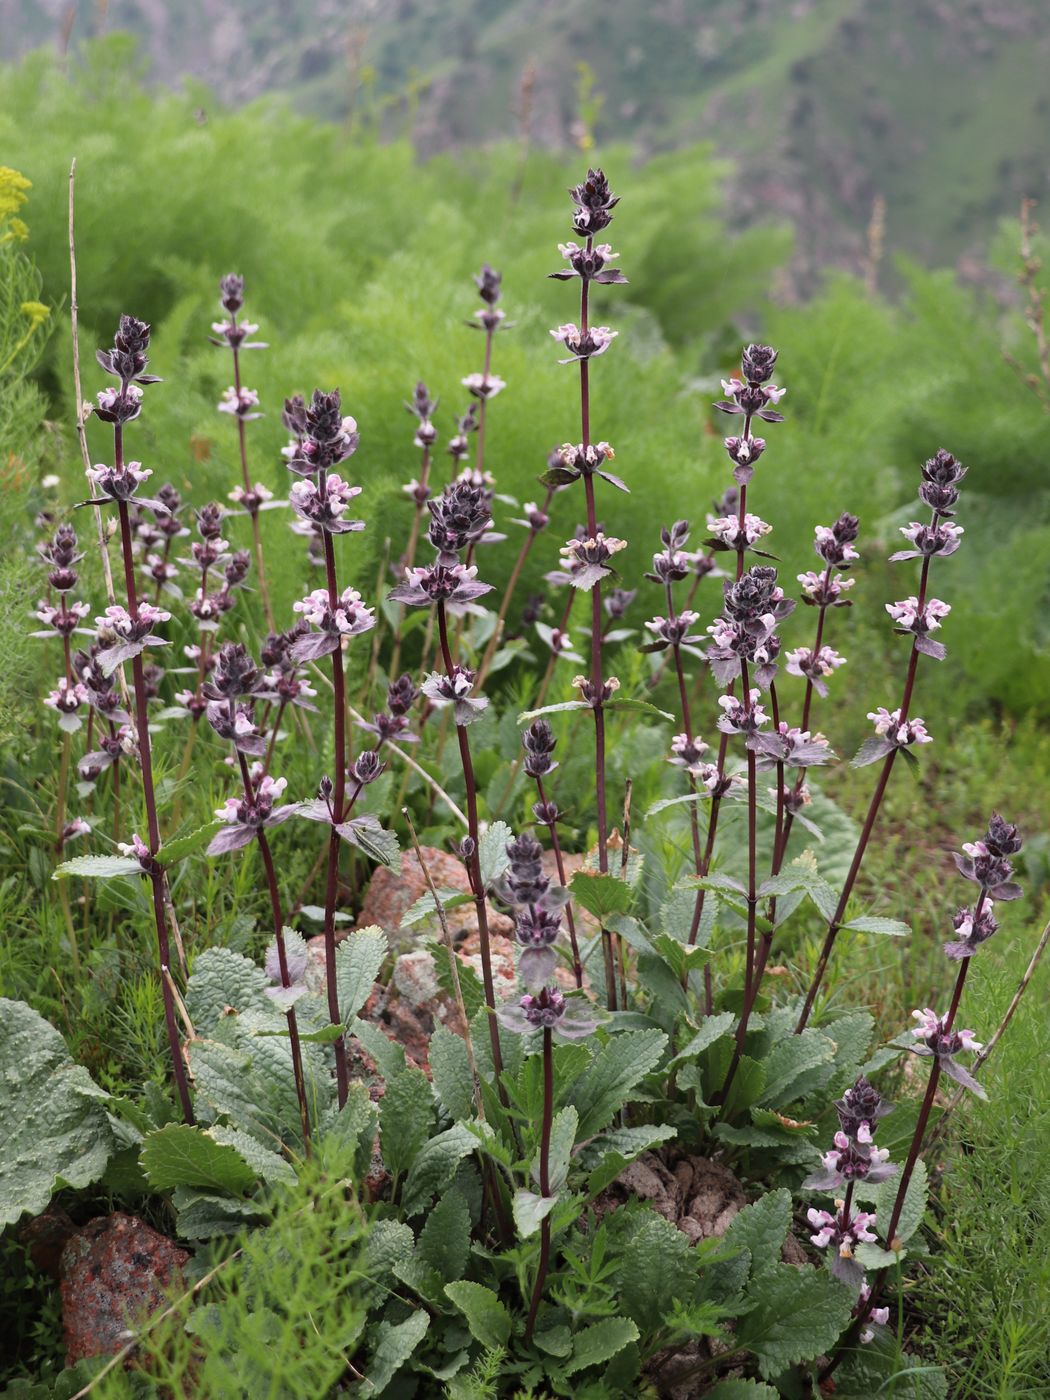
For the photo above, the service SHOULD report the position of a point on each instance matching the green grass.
(985, 1297)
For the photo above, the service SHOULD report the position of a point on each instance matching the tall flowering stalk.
(231, 692)
(546, 1010)
(241, 403)
(489, 318)
(744, 642)
(586, 559)
(418, 489)
(534, 519)
(985, 863)
(670, 633)
(70, 694)
(324, 438)
(457, 518)
(126, 632)
(917, 616)
(539, 743)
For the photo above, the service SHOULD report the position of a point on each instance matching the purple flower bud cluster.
(244, 817)
(751, 396)
(455, 689)
(230, 333)
(752, 608)
(322, 435)
(593, 202)
(550, 1010)
(852, 1158)
(936, 1038)
(987, 864)
(348, 618)
(392, 724)
(537, 906)
(586, 560)
(573, 461)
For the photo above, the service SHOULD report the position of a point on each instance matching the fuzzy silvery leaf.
(232, 837)
(425, 907)
(450, 1068)
(406, 1117)
(393, 1344)
(435, 1167)
(98, 867)
(295, 953)
(357, 963)
(914, 1207)
(367, 832)
(222, 981)
(601, 1091)
(55, 1128)
(530, 1210)
(492, 852)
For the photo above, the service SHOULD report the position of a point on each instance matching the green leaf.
(98, 867)
(789, 1060)
(388, 1054)
(871, 924)
(492, 852)
(601, 895)
(557, 1341)
(184, 846)
(641, 707)
(761, 1228)
(597, 1343)
(529, 715)
(406, 1117)
(488, 1319)
(179, 1155)
(56, 1132)
(435, 1166)
(394, 1344)
(738, 1388)
(656, 1268)
(625, 1143)
(563, 1136)
(206, 1215)
(358, 959)
(223, 979)
(426, 908)
(444, 1241)
(269, 1166)
(914, 1203)
(712, 1028)
(797, 1315)
(450, 1069)
(530, 1209)
(605, 1086)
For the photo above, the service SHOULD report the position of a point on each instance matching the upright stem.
(479, 455)
(552, 827)
(918, 1137)
(260, 566)
(508, 594)
(597, 681)
(338, 799)
(876, 801)
(545, 1182)
(474, 865)
(723, 744)
(156, 874)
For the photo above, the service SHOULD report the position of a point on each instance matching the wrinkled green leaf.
(358, 959)
(487, 1317)
(179, 1155)
(55, 1131)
